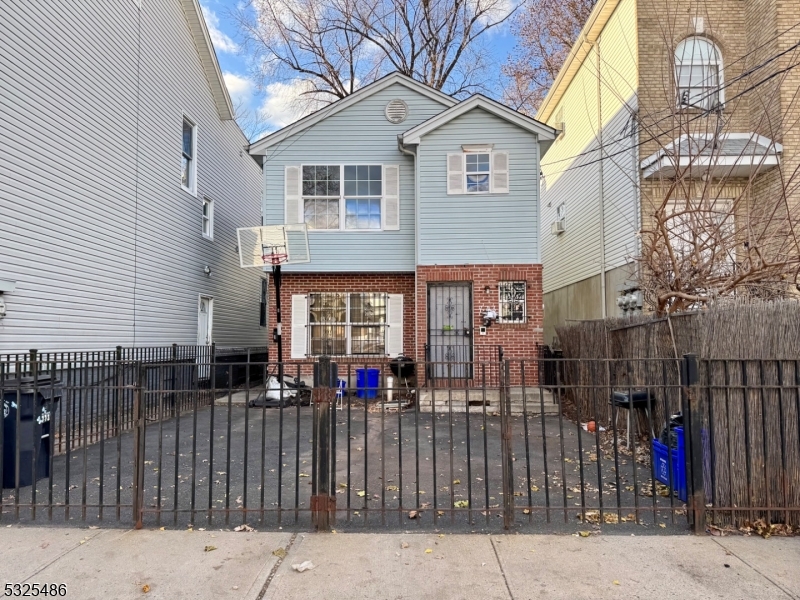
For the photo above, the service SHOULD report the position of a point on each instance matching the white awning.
(727, 155)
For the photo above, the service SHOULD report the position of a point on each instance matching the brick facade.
(519, 340)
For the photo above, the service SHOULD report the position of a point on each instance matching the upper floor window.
(478, 172)
(188, 158)
(478, 169)
(331, 192)
(698, 73)
(208, 218)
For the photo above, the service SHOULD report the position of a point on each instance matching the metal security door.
(450, 330)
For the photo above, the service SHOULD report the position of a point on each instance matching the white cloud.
(222, 42)
(240, 88)
(284, 103)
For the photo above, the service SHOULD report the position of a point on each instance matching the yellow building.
(650, 87)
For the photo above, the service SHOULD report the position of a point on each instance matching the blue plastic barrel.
(367, 383)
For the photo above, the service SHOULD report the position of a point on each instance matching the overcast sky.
(273, 99)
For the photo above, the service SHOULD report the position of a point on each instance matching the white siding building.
(112, 231)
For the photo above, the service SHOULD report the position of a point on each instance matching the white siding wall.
(106, 251)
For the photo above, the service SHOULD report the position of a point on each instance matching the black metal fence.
(636, 445)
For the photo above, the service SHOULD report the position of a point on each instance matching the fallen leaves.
(428, 551)
(145, 589)
(413, 514)
(209, 548)
(243, 527)
(279, 552)
(461, 504)
(584, 534)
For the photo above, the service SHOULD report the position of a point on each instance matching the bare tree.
(333, 47)
(546, 30)
(712, 230)
(252, 121)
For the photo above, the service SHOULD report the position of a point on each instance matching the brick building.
(698, 94)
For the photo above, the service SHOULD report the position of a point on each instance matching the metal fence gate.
(155, 444)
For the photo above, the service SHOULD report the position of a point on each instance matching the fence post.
(323, 502)
(506, 448)
(138, 445)
(693, 443)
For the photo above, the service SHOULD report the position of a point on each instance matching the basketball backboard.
(272, 245)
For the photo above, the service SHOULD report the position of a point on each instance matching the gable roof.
(545, 132)
(208, 58)
(261, 145)
(595, 24)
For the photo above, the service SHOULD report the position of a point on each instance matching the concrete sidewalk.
(111, 563)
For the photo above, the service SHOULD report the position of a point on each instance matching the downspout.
(604, 308)
(401, 147)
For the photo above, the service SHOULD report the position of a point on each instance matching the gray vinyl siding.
(575, 255)
(359, 134)
(105, 249)
(479, 228)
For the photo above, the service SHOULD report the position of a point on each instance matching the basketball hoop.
(274, 259)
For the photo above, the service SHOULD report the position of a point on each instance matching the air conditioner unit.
(557, 227)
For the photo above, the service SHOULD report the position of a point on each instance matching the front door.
(204, 321)
(450, 330)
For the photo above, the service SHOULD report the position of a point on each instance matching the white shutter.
(299, 329)
(499, 172)
(293, 196)
(391, 197)
(455, 173)
(394, 329)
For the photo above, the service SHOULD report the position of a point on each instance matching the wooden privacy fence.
(749, 382)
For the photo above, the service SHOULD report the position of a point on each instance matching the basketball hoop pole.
(276, 278)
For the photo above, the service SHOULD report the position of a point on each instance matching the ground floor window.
(512, 301)
(343, 324)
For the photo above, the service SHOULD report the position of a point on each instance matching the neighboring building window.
(561, 212)
(332, 190)
(188, 158)
(347, 323)
(698, 73)
(478, 168)
(208, 218)
(512, 301)
(262, 310)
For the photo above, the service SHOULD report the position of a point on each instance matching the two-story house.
(423, 220)
(698, 94)
(123, 177)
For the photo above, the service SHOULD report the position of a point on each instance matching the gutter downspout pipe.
(402, 148)
(601, 194)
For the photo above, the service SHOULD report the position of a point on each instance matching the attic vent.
(396, 111)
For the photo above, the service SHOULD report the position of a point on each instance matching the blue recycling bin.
(661, 464)
(367, 383)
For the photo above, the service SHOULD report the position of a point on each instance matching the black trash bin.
(31, 398)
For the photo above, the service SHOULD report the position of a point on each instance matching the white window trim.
(348, 325)
(210, 234)
(720, 73)
(500, 303)
(342, 197)
(192, 189)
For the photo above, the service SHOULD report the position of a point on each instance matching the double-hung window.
(333, 191)
(342, 324)
(188, 157)
(479, 170)
(512, 301)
